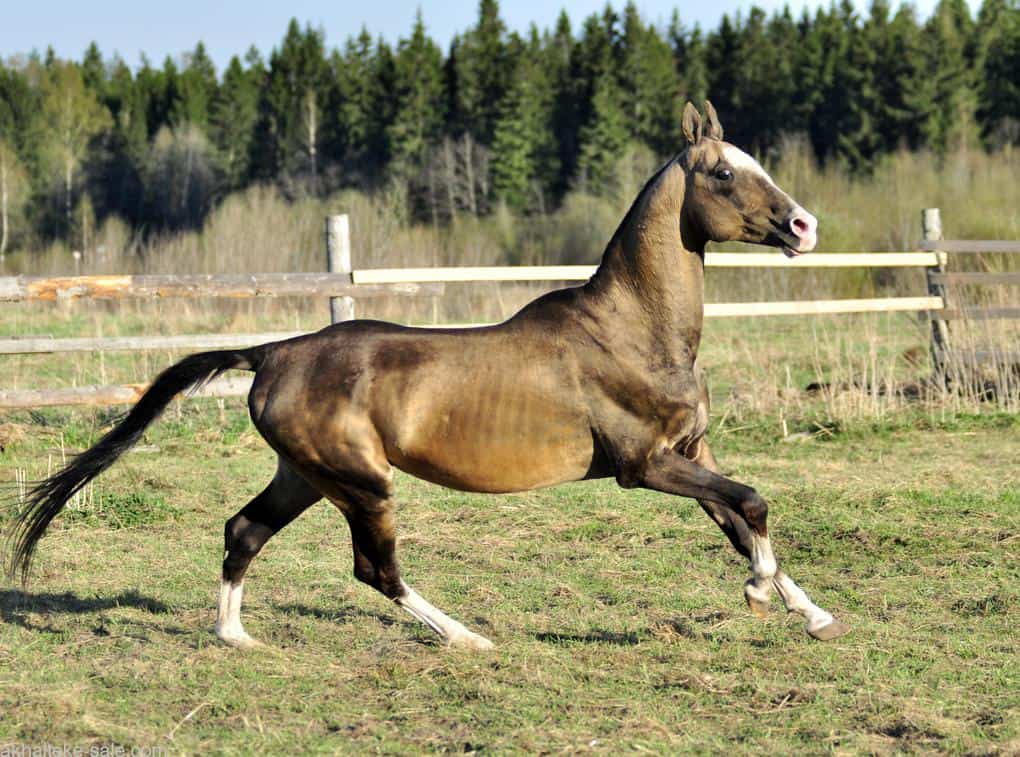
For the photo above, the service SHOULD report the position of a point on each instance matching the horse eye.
(724, 174)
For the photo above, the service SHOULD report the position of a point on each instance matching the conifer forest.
(499, 119)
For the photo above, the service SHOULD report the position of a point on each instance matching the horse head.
(730, 198)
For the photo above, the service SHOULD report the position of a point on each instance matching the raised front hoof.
(471, 641)
(758, 605)
(238, 640)
(832, 630)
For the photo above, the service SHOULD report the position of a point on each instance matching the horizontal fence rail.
(230, 386)
(34, 288)
(43, 344)
(821, 307)
(343, 285)
(984, 279)
(47, 345)
(584, 272)
(979, 314)
(970, 245)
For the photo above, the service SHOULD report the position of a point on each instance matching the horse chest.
(664, 405)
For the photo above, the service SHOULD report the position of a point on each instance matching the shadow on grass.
(594, 637)
(334, 614)
(15, 605)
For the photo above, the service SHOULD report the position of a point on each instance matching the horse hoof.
(471, 641)
(758, 606)
(832, 630)
(239, 641)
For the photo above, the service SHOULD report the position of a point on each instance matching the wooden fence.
(344, 285)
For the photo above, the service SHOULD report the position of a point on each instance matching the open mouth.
(788, 243)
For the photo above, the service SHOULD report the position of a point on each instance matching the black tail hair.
(48, 497)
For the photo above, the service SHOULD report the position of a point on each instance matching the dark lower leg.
(373, 539)
(286, 497)
(374, 543)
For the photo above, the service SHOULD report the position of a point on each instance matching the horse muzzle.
(800, 230)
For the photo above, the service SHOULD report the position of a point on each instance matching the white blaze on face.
(799, 222)
(740, 160)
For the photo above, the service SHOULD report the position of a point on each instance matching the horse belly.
(502, 438)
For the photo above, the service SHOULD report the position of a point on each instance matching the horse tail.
(48, 497)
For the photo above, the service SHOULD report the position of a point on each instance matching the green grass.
(618, 615)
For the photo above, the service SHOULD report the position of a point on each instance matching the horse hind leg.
(373, 538)
(287, 496)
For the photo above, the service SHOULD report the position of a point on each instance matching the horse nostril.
(800, 226)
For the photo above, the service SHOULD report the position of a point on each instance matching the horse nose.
(804, 226)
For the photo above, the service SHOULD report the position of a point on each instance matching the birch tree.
(74, 116)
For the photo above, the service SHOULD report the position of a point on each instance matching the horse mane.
(628, 217)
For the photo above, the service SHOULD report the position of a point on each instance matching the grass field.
(618, 615)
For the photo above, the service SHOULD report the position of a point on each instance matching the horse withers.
(593, 381)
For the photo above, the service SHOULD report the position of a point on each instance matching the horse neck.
(648, 274)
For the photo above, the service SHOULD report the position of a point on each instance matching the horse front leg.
(742, 514)
(758, 588)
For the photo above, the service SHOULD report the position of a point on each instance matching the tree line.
(499, 117)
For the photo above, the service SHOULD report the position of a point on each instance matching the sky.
(229, 27)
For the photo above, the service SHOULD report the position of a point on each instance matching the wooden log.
(126, 394)
(30, 288)
(971, 245)
(983, 279)
(40, 345)
(338, 260)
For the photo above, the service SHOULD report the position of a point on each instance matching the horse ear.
(691, 123)
(714, 130)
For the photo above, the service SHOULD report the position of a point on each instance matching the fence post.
(931, 226)
(338, 258)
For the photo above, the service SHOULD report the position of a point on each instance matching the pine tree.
(289, 125)
(603, 137)
(357, 139)
(524, 151)
(116, 186)
(565, 118)
(93, 70)
(722, 60)
(232, 117)
(942, 92)
(899, 58)
(483, 73)
(689, 58)
(762, 73)
(860, 139)
(591, 65)
(197, 89)
(649, 85)
(148, 89)
(168, 98)
(829, 41)
(998, 63)
(418, 90)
